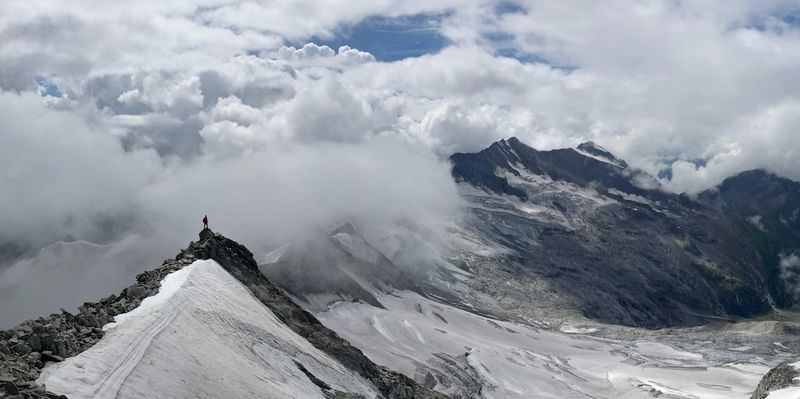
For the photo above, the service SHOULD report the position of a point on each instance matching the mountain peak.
(588, 164)
(592, 149)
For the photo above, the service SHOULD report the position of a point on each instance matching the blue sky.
(47, 88)
(395, 38)
(391, 39)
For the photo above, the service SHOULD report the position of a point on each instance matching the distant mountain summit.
(588, 164)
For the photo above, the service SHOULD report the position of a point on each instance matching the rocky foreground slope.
(26, 349)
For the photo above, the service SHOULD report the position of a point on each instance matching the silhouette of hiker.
(205, 221)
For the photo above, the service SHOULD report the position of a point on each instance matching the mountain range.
(569, 274)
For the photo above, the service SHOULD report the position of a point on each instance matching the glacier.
(204, 335)
(423, 339)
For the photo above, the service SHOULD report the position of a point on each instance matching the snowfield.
(422, 339)
(203, 335)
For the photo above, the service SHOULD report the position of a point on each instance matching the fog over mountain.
(106, 100)
(288, 122)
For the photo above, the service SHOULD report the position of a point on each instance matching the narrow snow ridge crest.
(170, 285)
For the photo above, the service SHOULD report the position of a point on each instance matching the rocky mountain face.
(602, 237)
(343, 266)
(26, 349)
(326, 268)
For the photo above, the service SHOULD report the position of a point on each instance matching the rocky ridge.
(27, 348)
(782, 376)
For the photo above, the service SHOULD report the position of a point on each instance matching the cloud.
(790, 274)
(310, 50)
(764, 139)
(675, 81)
(355, 56)
(232, 109)
(314, 55)
(327, 111)
(286, 189)
(171, 109)
(77, 178)
(59, 175)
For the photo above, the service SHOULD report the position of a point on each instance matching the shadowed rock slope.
(619, 249)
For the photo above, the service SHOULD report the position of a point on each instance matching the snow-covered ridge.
(595, 151)
(204, 335)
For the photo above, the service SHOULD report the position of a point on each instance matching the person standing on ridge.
(205, 221)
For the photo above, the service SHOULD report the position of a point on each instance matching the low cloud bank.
(62, 176)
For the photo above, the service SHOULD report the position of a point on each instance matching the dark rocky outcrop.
(25, 349)
(782, 376)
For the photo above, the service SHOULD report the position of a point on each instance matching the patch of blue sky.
(391, 38)
(47, 87)
(778, 22)
(666, 173)
(504, 45)
(791, 19)
(508, 7)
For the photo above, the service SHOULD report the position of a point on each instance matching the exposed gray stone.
(47, 357)
(21, 349)
(782, 376)
(11, 388)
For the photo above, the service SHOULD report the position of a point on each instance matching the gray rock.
(11, 388)
(782, 376)
(48, 342)
(47, 357)
(137, 292)
(206, 234)
(21, 349)
(35, 342)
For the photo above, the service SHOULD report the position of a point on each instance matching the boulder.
(11, 388)
(49, 357)
(206, 234)
(137, 292)
(21, 349)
